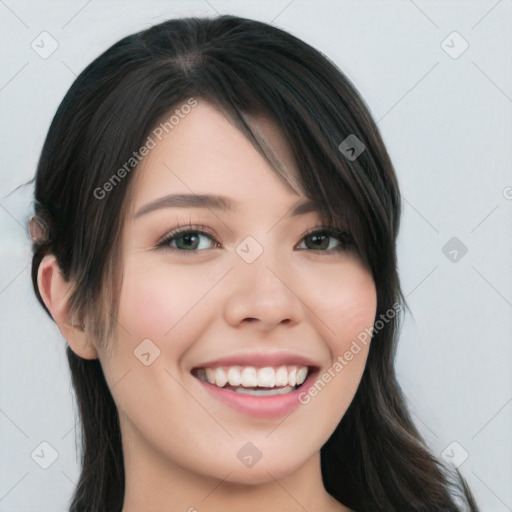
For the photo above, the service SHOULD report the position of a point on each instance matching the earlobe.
(55, 290)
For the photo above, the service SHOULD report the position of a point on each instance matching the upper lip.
(260, 360)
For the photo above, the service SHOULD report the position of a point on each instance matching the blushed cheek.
(150, 307)
(352, 312)
(359, 310)
(163, 304)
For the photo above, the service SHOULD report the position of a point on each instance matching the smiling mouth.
(250, 380)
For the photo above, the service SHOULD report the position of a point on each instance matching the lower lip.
(268, 407)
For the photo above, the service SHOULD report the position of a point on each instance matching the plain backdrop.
(437, 77)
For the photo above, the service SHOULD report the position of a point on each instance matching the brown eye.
(327, 240)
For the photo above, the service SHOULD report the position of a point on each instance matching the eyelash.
(344, 237)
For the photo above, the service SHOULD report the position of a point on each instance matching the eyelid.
(325, 228)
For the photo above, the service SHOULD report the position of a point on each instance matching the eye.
(188, 239)
(327, 239)
(192, 239)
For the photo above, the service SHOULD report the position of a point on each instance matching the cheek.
(345, 303)
(157, 300)
(358, 305)
(147, 307)
(346, 308)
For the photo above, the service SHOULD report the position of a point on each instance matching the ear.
(55, 290)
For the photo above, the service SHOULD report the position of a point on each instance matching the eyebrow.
(213, 202)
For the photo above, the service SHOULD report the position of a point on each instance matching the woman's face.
(248, 289)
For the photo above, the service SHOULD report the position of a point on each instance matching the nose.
(263, 296)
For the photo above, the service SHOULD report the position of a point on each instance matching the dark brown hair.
(375, 460)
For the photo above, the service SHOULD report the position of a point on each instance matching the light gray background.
(448, 126)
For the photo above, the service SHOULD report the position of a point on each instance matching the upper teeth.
(249, 376)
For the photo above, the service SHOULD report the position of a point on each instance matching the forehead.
(204, 152)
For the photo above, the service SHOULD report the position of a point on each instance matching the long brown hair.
(376, 459)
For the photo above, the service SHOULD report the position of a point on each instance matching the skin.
(180, 444)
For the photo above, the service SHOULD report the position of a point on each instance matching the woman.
(215, 228)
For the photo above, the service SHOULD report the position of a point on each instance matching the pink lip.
(261, 360)
(266, 407)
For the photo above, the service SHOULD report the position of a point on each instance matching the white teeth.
(282, 376)
(266, 377)
(301, 375)
(250, 377)
(234, 377)
(209, 375)
(220, 377)
(292, 376)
